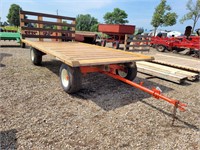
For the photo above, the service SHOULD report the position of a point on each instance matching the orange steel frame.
(110, 71)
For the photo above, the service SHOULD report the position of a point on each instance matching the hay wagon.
(80, 58)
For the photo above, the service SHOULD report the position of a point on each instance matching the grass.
(10, 28)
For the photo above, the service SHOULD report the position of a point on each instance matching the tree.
(94, 28)
(85, 22)
(13, 15)
(162, 16)
(118, 16)
(193, 14)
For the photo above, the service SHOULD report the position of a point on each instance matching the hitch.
(156, 93)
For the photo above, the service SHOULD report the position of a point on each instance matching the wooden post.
(59, 28)
(22, 16)
(73, 29)
(40, 18)
(22, 23)
(125, 42)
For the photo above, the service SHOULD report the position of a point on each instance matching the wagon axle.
(130, 72)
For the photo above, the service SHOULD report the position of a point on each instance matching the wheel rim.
(32, 55)
(123, 73)
(102, 43)
(160, 48)
(65, 78)
(114, 45)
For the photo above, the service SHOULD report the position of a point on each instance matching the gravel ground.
(35, 113)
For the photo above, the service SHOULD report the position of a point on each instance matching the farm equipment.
(177, 43)
(86, 37)
(115, 33)
(10, 35)
(81, 58)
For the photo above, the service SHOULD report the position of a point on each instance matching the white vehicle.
(173, 33)
(164, 33)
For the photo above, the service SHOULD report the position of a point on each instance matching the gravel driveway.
(35, 113)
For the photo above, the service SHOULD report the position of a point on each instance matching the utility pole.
(57, 12)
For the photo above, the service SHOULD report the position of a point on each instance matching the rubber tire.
(115, 45)
(74, 78)
(131, 71)
(98, 43)
(160, 48)
(36, 56)
(23, 45)
(103, 43)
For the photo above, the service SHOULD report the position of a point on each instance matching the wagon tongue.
(155, 92)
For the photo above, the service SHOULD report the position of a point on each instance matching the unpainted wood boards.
(165, 72)
(190, 64)
(80, 54)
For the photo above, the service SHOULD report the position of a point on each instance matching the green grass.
(10, 28)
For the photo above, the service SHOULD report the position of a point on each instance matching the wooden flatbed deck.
(77, 54)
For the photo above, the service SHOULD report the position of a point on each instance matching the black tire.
(23, 45)
(98, 43)
(71, 78)
(115, 45)
(160, 48)
(36, 56)
(131, 71)
(103, 43)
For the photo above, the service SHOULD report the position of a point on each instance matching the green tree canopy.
(163, 16)
(13, 15)
(86, 23)
(118, 16)
(193, 14)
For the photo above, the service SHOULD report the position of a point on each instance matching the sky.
(139, 12)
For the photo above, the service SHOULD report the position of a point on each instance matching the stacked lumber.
(190, 64)
(166, 72)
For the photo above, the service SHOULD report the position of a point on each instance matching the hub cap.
(65, 78)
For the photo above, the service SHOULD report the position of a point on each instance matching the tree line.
(163, 16)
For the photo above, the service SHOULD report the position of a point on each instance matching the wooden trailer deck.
(80, 58)
(77, 54)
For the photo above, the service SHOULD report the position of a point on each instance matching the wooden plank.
(57, 33)
(48, 36)
(73, 28)
(82, 50)
(190, 64)
(22, 23)
(49, 30)
(46, 15)
(78, 46)
(126, 43)
(190, 75)
(40, 18)
(47, 22)
(158, 71)
(59, 28)
(162, 75)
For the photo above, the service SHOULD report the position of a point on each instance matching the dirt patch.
(35, 113)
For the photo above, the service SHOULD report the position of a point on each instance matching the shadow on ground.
(107, 92)
(8, 139)
(110, 94)
(2, 56)
(10, 46)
